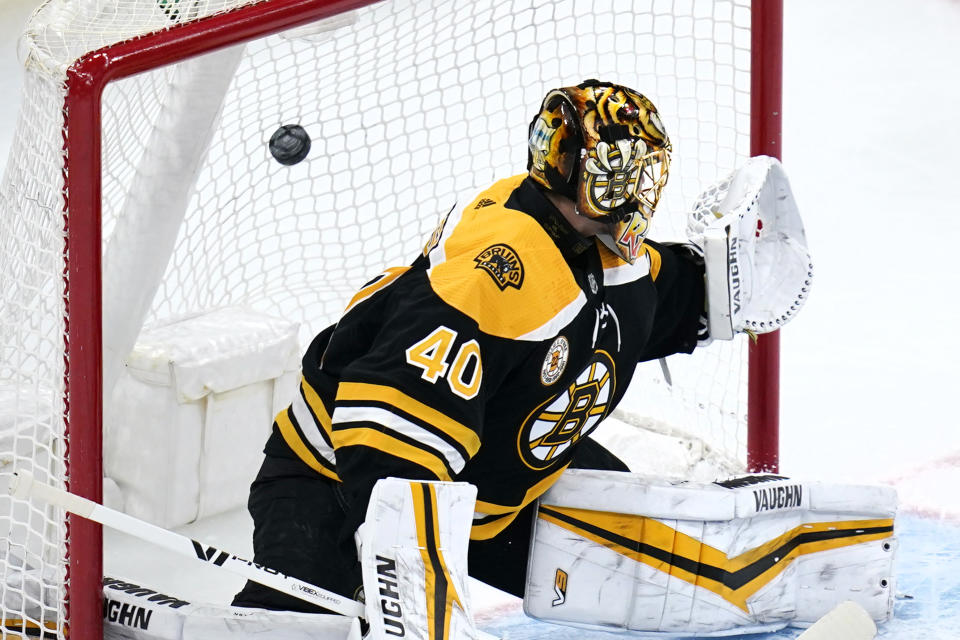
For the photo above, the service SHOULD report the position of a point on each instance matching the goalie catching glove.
(758, 268)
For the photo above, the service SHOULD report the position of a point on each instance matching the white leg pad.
(622, 552)
(413, 549)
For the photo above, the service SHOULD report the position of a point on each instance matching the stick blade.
(848, 620)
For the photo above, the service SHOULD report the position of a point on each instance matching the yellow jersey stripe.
(459, 433)
(374, 439)
(655, 261)
(389, 277)
(308, 430)
(617, 271)
(487, 530)
(390, 422)
(299, 447)
(316, 405)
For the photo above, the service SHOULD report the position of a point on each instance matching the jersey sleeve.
(677, 273)
(412, 403)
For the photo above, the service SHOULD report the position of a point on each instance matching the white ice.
(869, 369)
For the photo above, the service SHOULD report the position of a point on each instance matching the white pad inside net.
(407, 104)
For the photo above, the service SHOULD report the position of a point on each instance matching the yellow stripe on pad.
(659, 539)
(428, 539)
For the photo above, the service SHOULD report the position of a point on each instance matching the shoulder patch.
(503, 264)
(526, 290)
(484, 202)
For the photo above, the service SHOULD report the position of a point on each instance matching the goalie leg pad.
(617, 550)
(413, 551)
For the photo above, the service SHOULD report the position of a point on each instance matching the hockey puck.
(289, 144)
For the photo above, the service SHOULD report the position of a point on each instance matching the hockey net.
(143, 135)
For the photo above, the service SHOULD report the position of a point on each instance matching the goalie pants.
(298, 515)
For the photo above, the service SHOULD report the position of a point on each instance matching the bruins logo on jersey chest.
(554, 426)
(503, 264)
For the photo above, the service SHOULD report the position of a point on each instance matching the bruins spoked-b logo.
(561, 421)
(612, 173)
(503, 264)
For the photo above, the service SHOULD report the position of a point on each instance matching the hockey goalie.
(453, 393)
(440, 428)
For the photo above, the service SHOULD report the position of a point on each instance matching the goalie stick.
(24, 485)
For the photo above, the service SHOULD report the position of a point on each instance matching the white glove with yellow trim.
(758, 268)
(413, 552)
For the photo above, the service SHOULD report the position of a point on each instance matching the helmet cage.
(615, 175)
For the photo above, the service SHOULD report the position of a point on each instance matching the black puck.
(289, 144)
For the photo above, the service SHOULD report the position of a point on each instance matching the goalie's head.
(603, 146)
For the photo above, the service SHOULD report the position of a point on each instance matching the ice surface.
(869, 369)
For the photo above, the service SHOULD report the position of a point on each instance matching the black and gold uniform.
(488, 360)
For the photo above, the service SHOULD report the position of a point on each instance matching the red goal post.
(86, 80)
(766, 97)
(82, 195)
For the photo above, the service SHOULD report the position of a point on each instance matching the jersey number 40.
(430, 355)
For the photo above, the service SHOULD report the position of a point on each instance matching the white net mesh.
(32, 409)
(407, 104)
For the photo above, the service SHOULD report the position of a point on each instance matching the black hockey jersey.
(504, 344)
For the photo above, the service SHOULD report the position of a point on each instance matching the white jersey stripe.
(553, 326)
(626, 273)
(310, 429)
(400, 425)
(438, 254)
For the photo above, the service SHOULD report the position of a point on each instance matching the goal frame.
(86, 81)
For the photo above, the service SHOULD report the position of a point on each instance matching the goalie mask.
(603, 146)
